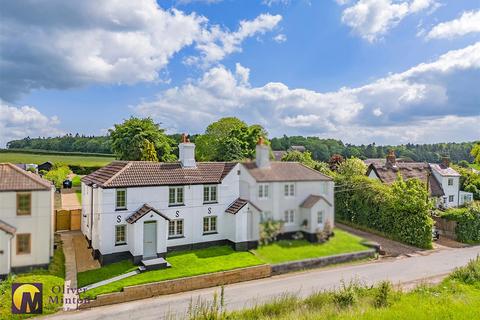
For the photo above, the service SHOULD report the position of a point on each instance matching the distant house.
(26, 220)
(143, 210)
(46, 166)
(278, 154)
(298, 148)
(443, 182)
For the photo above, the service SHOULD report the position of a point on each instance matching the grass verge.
(184, 264)
(292, 250)
(456, 298)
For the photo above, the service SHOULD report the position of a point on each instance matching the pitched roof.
(408, 170)
(145, 173)
(444, 171)
(7, 228)
(143, 211)
(238, 204)
(12, 178)
(284, 171)
(312, 200)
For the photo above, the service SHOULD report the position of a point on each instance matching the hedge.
(81, 170)
(59, 153)
(400, 211)
(468, 222)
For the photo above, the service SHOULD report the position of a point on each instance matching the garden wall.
(180, 285)
(321, 262)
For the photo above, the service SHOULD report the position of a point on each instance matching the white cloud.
(468, 22)
(20, 122)
(372, 19)
(275, 2)
(214, 44)
(182, 2)
(280, 38)
(111, 42)
(442, 89)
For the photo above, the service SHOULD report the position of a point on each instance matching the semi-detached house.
(142, 210)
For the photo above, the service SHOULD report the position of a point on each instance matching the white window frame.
(211, 227)
(289, 216)
(320, 216)
(450, 181)
(263, 191)
(176, 202)
(289, 190)
(451, 197)
(176, 233)
(210, 193)
(117, 241)
(117, 207)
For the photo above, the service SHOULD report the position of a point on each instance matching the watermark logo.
(27, 298)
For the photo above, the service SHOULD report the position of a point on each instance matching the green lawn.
(291, 250)
(53, 277)
(85, 161)
(77, 181)
(184, 264)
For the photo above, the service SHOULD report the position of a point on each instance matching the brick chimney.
(262, 154)
(391, 160)
(186, 152)
(446, 161)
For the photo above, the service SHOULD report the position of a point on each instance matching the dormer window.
(121, 199)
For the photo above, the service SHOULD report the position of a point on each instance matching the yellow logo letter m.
(27, 298)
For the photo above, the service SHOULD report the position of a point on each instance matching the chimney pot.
(391, 159)
(446, 161)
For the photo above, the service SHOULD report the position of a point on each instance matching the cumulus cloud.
(280, 38)
(215, 43)
(468, 22)
(372, 19)
(19, 122)
(412, 100)
(111, 42)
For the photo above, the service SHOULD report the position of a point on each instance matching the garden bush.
(400, 211)
(468, 222)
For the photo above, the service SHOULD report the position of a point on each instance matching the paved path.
(237, 296)
(70, 200)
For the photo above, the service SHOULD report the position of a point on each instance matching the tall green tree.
(128, 140)
(476, 153)
(352, 167)
(148, 151)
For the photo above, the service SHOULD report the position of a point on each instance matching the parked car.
(67, 184)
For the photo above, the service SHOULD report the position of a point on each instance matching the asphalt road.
(246, 294)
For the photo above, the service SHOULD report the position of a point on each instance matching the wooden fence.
(67, 219)
(446, 228)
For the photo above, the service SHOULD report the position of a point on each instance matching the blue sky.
(363, 71)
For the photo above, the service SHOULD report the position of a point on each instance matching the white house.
(443, 181)
(26, 220)
(142, 210)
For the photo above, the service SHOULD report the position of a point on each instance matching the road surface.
(240, 295)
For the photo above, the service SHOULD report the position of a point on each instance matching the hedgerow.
(468, 222)
(400, 211)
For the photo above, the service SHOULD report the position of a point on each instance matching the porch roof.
(238, 204)
(7, 228)
(134, 217)
(312, 200)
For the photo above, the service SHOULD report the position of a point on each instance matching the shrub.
(468, 222)
(382, 295)
(58, 175)
(269, 230)
(346, 296)
(470, 274)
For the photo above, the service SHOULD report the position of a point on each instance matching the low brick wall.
(321, 262)
(180, 285)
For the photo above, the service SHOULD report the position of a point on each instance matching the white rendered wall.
(5, 252)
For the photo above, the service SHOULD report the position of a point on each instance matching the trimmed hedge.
(81, 170)
(400, 211)
(468, 222)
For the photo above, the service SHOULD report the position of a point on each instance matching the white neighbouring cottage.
(443, 181)
(26, 220)
(142, 210)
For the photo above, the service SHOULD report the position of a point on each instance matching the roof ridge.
(30, 175)
(128, 165)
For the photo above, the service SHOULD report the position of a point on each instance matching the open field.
(76, 160)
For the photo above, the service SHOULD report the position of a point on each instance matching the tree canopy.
(134, 139)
